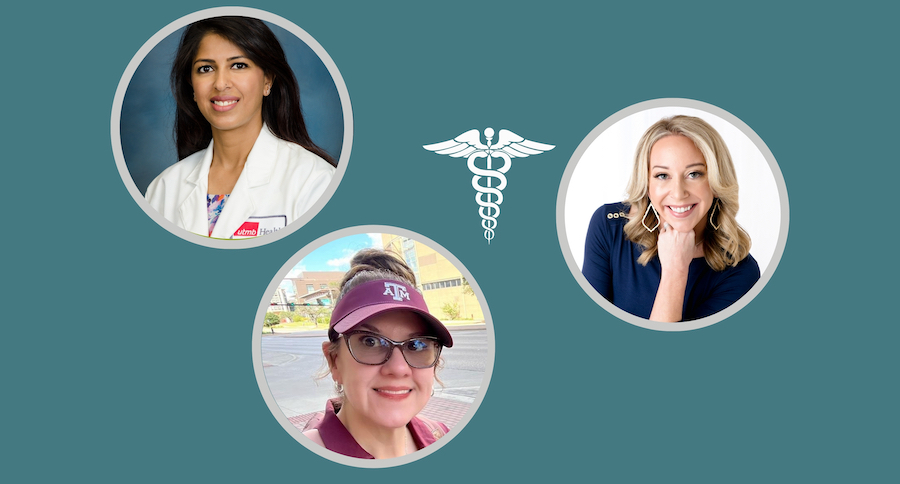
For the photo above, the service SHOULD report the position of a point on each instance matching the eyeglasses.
(374, 349)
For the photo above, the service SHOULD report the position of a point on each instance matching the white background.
(602, 175)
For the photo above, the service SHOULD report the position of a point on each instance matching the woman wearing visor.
(382, 352)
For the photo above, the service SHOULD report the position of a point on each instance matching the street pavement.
(291, 362)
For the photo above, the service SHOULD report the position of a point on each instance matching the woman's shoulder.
(613, 211)
(299, 159)
(302, 173)
(428, 430)
(303, 155)
(721, 289)
(180, 169)
(313, 435)
(744, 274)
(748, 267)
(176, 173)
(609, 219)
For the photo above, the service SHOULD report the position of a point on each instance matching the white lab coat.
(280, 181)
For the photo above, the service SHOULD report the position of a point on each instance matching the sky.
(335, 255)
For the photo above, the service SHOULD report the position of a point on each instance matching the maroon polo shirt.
(337, 439)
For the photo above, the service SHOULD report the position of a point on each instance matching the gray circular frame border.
(564, 188)
(116, 138)
(256, 350)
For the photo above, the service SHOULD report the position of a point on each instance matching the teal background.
(126, 350)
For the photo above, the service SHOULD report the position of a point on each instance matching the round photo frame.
(146, 100)
(281, 413)
(598, 172)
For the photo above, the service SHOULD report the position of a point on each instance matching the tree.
(334, 288)
(451, 310)
(316, 314)
(272, 319)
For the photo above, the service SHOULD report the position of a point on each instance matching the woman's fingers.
(675, 249)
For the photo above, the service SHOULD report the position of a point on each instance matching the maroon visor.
(375, 297)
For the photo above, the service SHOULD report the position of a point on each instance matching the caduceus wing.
(518, 147)
(459, 147)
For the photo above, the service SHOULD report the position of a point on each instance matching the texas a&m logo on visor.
(396, 290)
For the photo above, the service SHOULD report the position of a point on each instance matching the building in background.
(443, 286)
(280, 301)
(310, 288)
(310, 281)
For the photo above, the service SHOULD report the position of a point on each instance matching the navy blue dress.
(611, 266)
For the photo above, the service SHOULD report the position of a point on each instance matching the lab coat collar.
(193, 211)
(252, 183)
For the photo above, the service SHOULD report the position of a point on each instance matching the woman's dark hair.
(280, 109)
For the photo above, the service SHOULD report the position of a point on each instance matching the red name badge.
(248, 229)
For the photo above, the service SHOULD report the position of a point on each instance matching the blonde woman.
(673, 250)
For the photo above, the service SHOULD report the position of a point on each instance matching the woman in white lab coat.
(248, 165)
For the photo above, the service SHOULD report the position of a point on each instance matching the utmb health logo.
(489, 194)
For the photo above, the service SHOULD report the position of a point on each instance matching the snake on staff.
(509, 145)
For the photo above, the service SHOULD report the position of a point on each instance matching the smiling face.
(679, 185)
(387, 395)
(228, 86)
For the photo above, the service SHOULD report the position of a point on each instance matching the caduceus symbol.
(509, 145)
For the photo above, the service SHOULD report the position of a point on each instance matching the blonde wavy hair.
(722, 248)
